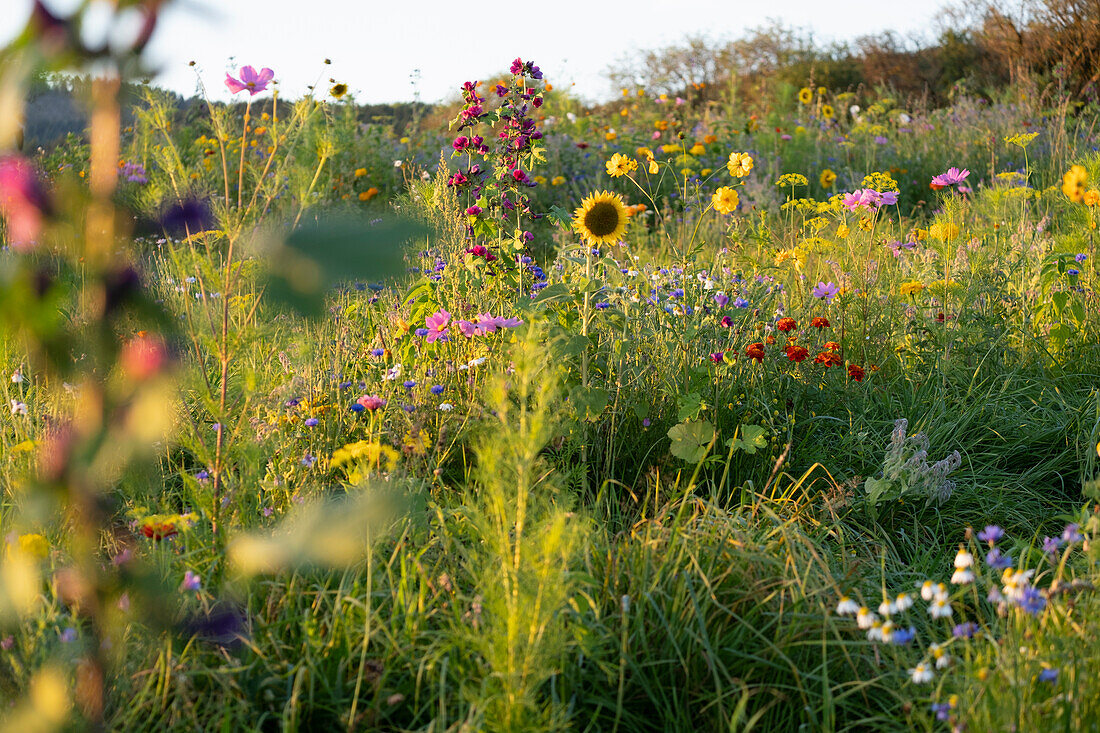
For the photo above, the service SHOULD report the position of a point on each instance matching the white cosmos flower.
(927, 590)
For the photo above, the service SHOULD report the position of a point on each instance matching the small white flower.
(854, 110)
(18, 408)
(397, 164)
(478, 361)
(570, 116)
(927, 590)
(865, 618)
(903, 602)
(940, 592)
(708, 284)
(887, 631)
(393, 372)
(887, 608)
(943, 659)
(446, 407)
(17, 377)
(921, 674)
(904, 118)
(963, 559)
(940, 608)
(875, 632)
(962, 576)
(847, 607)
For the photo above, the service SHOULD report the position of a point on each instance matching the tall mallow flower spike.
(251, 80)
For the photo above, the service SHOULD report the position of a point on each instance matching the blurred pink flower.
(23, 202)
(250, 80)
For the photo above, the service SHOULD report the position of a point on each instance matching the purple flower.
(645, 422)
(1072, 534)
(889, 198)
(436, 389)
(996, 560)
(1048, 674)
(377, 352)
(251, 80)
(437, 324)
(1073, 271)
(1081, 257)
(68, 635)
(307, 461)
(312, 422)
(740, 303)
(409, 384)
(880, 140)
(191, 581)
(826, 291)
(965, 630)
(1032, 601)
(950, 178)
(721, 299)
(1051, 545)
(991, 534)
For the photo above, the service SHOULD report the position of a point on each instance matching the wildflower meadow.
(697, 409)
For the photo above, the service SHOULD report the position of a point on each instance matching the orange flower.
(368, 194)
(786, 324)
(755, 351)
(855, 372)
(829, 359)
(770, 339)
(820, 322)
(832, 346)
(797, 353)
(708, 139)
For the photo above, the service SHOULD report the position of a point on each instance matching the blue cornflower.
(991, 533)
(942, 710)
(1032, 601)
(903, 636)
(377, 352)
(996, 560)
(436, 389)
(740, 303)
(602, 306)
(677, 293)
(356, 407)
(344, 385)
(307, 461)
(1048, 674)
(1051, 545)
(1081, 257)
(421, 332)
(292, 402)
(965, 630)
(409, 384)
(312, 422)
(1073, 271)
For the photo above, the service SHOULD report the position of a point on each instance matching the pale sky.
(377, 46)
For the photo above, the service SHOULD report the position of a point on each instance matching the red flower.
(856, 372)
(158, 531)
(820, 322)
(786, 324)
(755, 351)
(797, 353)
(727, 322)
(829, 359)
(832, 346)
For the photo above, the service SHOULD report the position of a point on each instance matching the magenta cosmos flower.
(251, 80)
(23, 202)
(950, 178)
(437, 325)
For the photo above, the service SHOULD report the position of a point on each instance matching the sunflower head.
(601, 218)
(338, 90)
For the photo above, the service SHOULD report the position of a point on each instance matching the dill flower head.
(601, 218)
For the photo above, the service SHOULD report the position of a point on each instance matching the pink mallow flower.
(950, 178)
(23, 202)
(437, 325)
(251, 80)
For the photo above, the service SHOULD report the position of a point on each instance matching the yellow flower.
(672, 148)
(1092, 197)
(417, 443)
(653, 167)
(610, 135)
(360, 172)
(644, 152)
(792, 179)
(661, 124)
(404, 141)
(1073, 183)
(794, 255)
(821, 91)
(827, 179)
(1022, 139)
(805, 95)
(34, 546)
(541, 180)
(739, 164)
(706, 171)
(557, 180)
(911, 288)
(842, 231)
(338, 90)
(697, 149)
(827, 111)
(621, 165)
(725, 200)
(944, 231)
(601, 218)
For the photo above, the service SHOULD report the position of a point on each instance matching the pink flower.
(867, 197)
(437, 325)
(191, 581)
(468, 329)
(889, 198)
(371, 402)
(250, 80)
(23, 202)
(950, 178)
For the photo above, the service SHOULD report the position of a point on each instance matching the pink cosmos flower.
(437, 325)
(484, 323)
(468, 329)
(950, 178)
(23, 202)
(889, 198)
(251, 80)
(867, 197)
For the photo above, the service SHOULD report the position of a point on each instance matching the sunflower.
(725, 200)
(601, 218)
(338, 90)
(828, 178)
(805, 95)
(827, 111)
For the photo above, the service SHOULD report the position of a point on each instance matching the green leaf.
(590, 402)
(752, 439)
(691, 440)
(691, 404)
